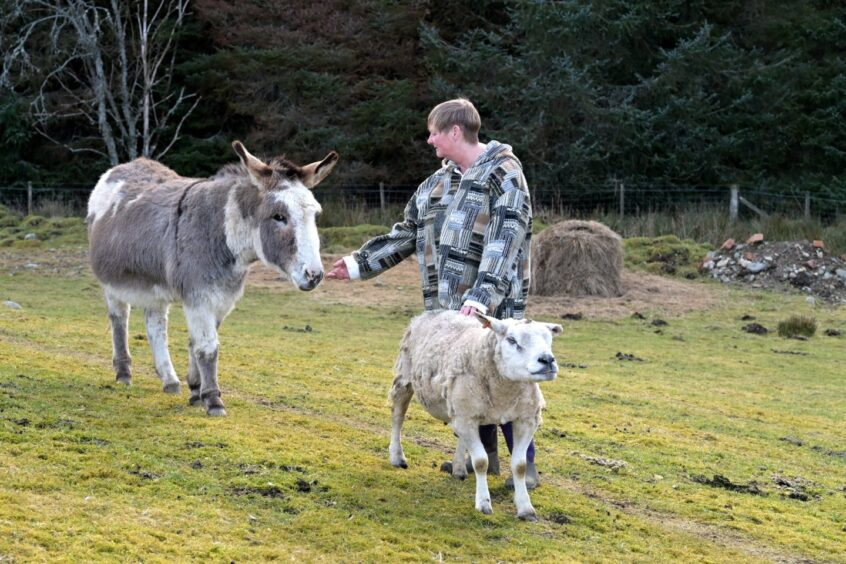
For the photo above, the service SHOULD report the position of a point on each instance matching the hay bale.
(577, 258)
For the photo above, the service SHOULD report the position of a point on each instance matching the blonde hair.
(460, 112)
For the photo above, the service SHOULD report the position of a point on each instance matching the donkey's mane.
(280, 165)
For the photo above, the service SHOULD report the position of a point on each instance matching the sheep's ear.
(491, 323)
(259, 171)
(555, 329)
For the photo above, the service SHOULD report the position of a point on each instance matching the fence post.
(807, 206)
(29, 198)
(734, 203)
(622, 199)
(382, 196)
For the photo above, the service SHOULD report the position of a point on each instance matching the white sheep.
(467, 375)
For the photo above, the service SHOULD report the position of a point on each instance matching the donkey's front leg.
(155, 319)
(468, 436)
(523, 433)
(202, 327)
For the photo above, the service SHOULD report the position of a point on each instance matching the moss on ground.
(666, 255)
(335, 240)
(43, 231)
(93, 471)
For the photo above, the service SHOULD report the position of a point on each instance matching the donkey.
(157, 238)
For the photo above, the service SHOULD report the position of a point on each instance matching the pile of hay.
(577, 258)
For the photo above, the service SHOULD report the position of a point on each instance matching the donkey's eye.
(280, 218)
(290, 173)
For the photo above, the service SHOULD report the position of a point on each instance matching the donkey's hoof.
(125, 380)
(172, 388)
(195, 399)
(216, 412)
(531, 516)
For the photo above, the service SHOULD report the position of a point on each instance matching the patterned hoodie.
(471, 233)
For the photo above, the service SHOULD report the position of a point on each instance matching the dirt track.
(400, 287)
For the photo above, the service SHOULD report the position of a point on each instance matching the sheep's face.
(524, 349)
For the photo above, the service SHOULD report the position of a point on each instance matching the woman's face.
(443, 141)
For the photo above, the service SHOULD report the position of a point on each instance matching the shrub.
(797, 325)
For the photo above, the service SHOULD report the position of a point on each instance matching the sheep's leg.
(202, 326)
(155, 319)
(459, 468)
(468, 433)
(523, 433)
(400, 396)
(119, 319)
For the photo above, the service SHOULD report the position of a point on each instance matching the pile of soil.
(787, 265)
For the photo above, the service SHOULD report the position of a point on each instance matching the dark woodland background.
(669, 92)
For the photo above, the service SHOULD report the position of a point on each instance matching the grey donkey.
(157, 238)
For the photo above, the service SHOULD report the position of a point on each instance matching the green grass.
(92, 471)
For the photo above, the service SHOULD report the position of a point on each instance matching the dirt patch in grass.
(400, 287)
(718, 535)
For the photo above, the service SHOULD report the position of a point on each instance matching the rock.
(818, 244)
(755, 239)
(11, 304)
(755, 329)
(727, 245)
(811, 300)
(841, 272)
(30, 237)
(756, 267)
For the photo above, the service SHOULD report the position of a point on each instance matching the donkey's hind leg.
(194, 378)
(156, 320)
(119, 319)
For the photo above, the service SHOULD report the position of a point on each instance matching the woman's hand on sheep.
(469, 311)
(339, 271)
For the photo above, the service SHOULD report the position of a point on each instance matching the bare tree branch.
(114, 70)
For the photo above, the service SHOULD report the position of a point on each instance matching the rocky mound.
(791, 265)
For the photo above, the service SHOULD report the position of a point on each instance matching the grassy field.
(717, 446)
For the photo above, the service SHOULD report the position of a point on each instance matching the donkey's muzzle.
(311, 278)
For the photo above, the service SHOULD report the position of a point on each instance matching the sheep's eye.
(513, 341)
(280, 218)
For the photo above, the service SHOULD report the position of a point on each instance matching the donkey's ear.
(314, 173)
(259, 171)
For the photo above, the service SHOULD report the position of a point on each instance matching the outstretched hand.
(339, 271)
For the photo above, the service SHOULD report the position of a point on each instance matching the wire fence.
(560, 201)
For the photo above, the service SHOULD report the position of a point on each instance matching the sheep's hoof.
(486, 509)
(216, 412)
(400, 464)
(172, 388)
(528, 517)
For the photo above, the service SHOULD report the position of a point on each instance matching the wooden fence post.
(807, 206)
(622, 199)
(734, 203)
(29, 198)
(382, 196)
